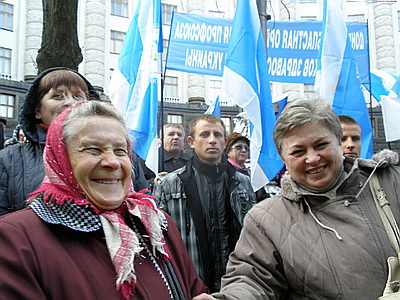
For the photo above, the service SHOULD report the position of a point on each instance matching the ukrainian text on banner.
(198, 44)
(293, 50)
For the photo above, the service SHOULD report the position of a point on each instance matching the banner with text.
(198, 44)
(293, 50)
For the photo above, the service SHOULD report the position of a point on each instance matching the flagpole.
(370, 83)
(262, 13)
(161, 118)
(162, 99)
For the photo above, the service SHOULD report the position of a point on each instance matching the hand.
(159, 175)
(204, 297)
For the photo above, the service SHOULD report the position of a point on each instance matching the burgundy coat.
(39, 260)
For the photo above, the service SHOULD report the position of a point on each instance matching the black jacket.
(208, 203)
(170, 164)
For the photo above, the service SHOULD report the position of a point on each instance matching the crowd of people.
(84, 218)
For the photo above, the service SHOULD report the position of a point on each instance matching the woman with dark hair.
(86, 233)
(21, 165)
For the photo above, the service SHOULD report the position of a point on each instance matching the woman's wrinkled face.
(56, 100)
(312, 155)
(100, 162)
(239, 152)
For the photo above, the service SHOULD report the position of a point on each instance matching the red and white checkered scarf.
(60, 186)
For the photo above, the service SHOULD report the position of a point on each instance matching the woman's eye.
(79, 97)
(93, 151)
(121, 152)
(297, 152)
(58, 97)
(322, 145)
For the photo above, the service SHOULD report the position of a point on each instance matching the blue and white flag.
(214, 108)
(135, 86)
(395, 90)
(382, 83)
(246, 83)
(337, 80)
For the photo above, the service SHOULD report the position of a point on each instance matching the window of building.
(215, 90)
(7, 105)
(171, 88)
(356, 18)
(6, 16)
(309, 91)
(167, 10)
(119, 8)
(117, 39)
(165, 51)
(5, 62)
(172, 118)
(227, 122)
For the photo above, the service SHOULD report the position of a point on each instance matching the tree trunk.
(60, 47)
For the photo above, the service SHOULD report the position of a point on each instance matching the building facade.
(102, 25)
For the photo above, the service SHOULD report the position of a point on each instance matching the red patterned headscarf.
(60, 186)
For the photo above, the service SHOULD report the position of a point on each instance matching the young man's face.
(208, 141)
(351, 140)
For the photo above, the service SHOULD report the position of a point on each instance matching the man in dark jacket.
(21, 164)
(172, 156)
(208, 199)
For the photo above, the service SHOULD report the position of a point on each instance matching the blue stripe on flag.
(342, 90)
(246, 83)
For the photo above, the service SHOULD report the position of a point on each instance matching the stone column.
(33, 37)
(94, 49)
(384, 37)
(196, 82)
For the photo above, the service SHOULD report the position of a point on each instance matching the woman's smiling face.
(312, 155)
(100, 161)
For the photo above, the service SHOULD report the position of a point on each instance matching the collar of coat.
(350, 185)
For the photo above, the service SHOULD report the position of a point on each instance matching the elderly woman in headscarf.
(323, 236)
(87, 234)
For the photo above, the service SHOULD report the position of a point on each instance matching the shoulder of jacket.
(172, 176)
(242, 178)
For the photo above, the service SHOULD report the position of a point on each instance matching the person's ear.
(190, 141)
(38, 114)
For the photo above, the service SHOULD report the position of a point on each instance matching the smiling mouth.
(102, 181)
(317, 170)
